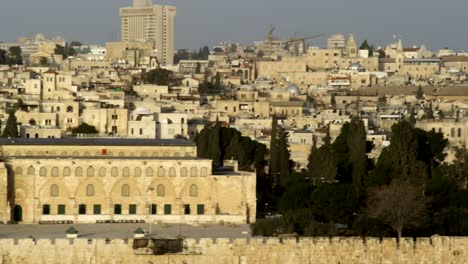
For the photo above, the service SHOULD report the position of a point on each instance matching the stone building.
(90, 180)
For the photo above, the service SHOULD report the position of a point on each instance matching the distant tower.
(337, 41)
(351, 47)
(145, 22)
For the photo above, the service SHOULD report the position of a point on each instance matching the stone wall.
(241, 251)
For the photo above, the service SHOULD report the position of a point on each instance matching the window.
(172, 172)
(153, 209)
(66, 171)
(132, 209)
(204, 172)
(167, 209)
(200, 209)
(114, 172)
(183, 172)
(97, 209)
(78, 172)
(459, 132)
(31, 170)
(117, 209)
(137, 172)
(193, 172)
(46, 209)
(69, 109)
(82, 209)
(19, 171)
(160, 190)
(90, 172)
(149, 172)
(90, 190)
(193, 190)
(55, 172)
(187, 209)
(126, 172)
(43, 171)
(161, 172)
(61, 209)
(452, 132)
(125, 190)
(54, 191)
(102, 171)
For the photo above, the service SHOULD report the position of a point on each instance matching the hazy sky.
(436, 23)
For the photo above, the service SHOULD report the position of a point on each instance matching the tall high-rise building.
(337, 41)
(146, 22)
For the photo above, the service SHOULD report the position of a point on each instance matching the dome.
(356, 66)
(293, 89)
(142, 111)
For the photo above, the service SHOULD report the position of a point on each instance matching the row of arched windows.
(114, 171)
(454, 132)
(99, 153)
(125, 190)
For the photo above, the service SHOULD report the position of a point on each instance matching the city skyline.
(208, 22)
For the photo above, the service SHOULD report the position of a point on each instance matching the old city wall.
(245, 251)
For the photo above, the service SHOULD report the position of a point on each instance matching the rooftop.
(94, 142)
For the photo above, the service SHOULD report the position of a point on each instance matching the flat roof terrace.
(95, 142)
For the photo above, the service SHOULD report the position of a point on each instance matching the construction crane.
(297, 41)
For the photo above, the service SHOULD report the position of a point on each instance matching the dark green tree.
(420, 93)
(357, 145)
(43, 61)
(284, 157)
(3, 57)
(15, 57)
(322, 165)
(11, 128)
(158, 77)
(274, 152)
(85, 128)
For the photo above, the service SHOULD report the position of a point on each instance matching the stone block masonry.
(438, 250)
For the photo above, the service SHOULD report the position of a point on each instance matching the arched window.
(69, 109)
(183, 172)
(43, 171)
(452, 132)
(193, 190)
(19, 171)
(193, 172)
(90, 190)
(31, 170)
(160, 191)
(114, 172)
(161, 172)
(149, 172)
(78, 172)
(204, 172)
(440, 130)
(55, 172)
(66, 171)
(137, 172)
(90, 172)
(172, 172)
(125, 190)
(459, 132)
(126, 172)
(102, 171)
(54, 191)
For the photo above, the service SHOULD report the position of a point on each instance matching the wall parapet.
(436, 249)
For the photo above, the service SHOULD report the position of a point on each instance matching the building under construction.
(273, 46)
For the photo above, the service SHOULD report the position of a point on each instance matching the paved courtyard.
(125, 231)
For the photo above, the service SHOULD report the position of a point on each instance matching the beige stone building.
(145, 22)
(85, 181)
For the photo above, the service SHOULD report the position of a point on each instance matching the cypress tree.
(274, 155)
(284, 157)
(11, 128)
(356, 141)
(322, 165)
(215, 145)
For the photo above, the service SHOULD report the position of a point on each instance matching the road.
(112, 231)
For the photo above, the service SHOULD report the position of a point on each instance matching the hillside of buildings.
(322, 138)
